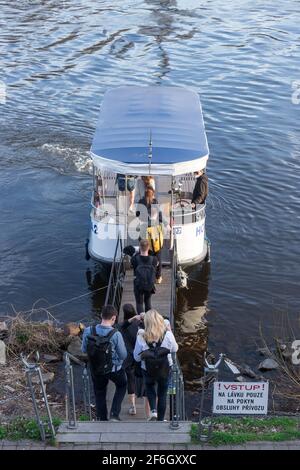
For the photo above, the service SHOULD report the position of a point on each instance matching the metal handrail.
(174, 266)
(31, 369)
(176, 390)
(176, 385)
(70, 390)
(194, 214)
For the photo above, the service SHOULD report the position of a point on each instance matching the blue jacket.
(119, 352)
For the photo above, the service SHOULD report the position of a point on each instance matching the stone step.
(125, 432)
(124, 426)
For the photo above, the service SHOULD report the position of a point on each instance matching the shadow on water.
(190, 324)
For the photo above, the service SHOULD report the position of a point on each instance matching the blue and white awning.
(171, 116)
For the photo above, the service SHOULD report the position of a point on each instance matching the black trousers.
(142, 300)
(156, 391)
(100, 387)
(158, 269)
(129, 371)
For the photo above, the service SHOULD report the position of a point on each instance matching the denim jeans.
(100, 387)
(156, 392)
(141, 298)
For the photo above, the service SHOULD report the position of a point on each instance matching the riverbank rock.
(48, 358)
(247, 371)
(71, 329)
(74, 348)
(268, 364)
(3, 330)
(240, 378)
(2, 353)
(287, 354)
(47, 378)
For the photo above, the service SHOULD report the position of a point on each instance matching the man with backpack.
(106, 351)
(144, 267)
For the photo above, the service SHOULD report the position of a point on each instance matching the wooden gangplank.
(160, 300)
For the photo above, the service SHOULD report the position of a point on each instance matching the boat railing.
(116, 277)
(184, 214)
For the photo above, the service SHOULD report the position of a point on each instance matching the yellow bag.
(155, 238)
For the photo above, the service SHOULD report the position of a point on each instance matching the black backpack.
(145, 275)
(99, 351)
(156, 360)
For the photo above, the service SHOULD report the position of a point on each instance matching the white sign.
(241, 398)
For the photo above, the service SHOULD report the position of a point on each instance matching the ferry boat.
(155, 131)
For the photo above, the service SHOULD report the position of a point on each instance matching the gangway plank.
(160, 300)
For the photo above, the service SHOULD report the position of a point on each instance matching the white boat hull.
(190, 239)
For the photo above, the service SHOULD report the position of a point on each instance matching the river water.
(242, 57)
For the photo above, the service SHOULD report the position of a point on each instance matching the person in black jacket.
(129, 329)
(201, 188)
(143, 262)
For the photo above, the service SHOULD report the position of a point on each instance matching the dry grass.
(27, 336)
(14, 395)
(289, 373)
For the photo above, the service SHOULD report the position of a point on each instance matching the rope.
(65, 301)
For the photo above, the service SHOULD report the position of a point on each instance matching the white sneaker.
(132, 410)
(153, 415)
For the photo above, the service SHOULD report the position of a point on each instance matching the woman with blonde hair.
(153, 349)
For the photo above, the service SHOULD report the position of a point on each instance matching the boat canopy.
(157, 124)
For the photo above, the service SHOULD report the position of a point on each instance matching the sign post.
(240, 398)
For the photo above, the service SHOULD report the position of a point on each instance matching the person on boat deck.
(149, 182)
(130, 187)
(142, 292)
(153, 218)
(97, 203)
(201, 188)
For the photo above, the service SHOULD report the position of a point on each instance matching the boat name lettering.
(199, 230)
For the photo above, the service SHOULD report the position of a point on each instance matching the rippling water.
(242, 57)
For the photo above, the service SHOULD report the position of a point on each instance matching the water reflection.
(190, 325)
(163, 17)
(97, 276)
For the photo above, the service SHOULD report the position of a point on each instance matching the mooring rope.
(65, 301)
